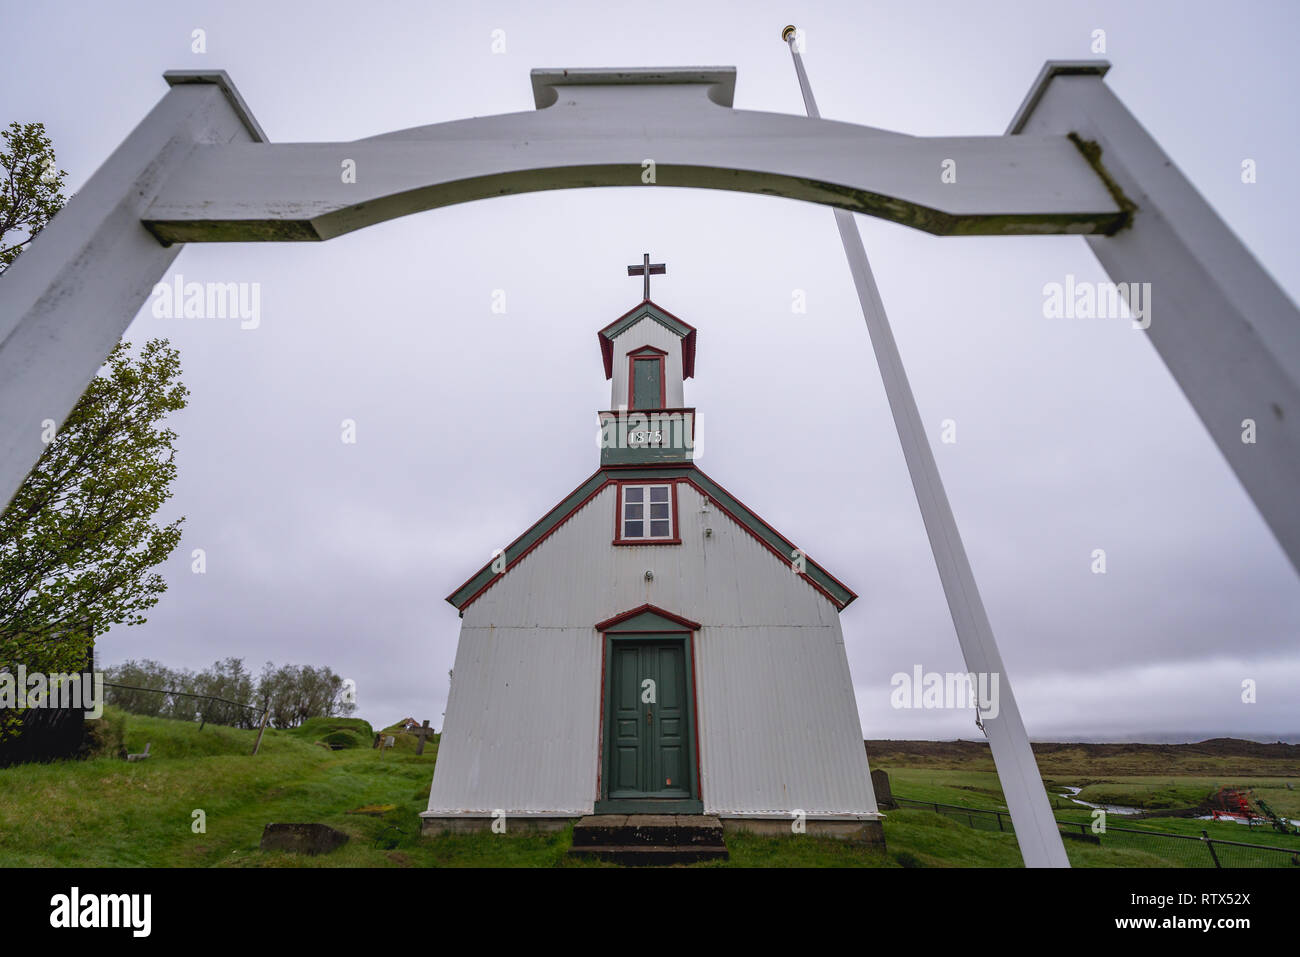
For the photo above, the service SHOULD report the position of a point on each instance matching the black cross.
(647, 269)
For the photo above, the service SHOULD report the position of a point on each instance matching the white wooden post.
(1225, 329)
(68, 298)
(1022, 785)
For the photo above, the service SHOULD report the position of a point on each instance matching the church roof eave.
(660, 315)
(839, 594)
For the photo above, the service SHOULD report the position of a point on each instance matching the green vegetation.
(107, 812)
(337, 732)
(980, 789)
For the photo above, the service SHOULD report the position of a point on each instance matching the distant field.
(106, 812)
(1168, 782)
(1219, 756)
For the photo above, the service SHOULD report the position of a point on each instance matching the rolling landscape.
(105, 811)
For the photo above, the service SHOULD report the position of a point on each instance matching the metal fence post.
(261, 729)
(1209, 844)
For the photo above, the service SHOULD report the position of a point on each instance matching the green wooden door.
(649, 733)
(646, 384)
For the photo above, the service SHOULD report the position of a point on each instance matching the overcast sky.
(1071, 434)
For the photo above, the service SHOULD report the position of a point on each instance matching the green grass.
(980, 789)
(183, 739)
(316, 729)
(107, 812)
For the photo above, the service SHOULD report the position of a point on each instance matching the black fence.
(49, 733)
(1187, 850)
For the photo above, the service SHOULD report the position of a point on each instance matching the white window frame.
(623, 519)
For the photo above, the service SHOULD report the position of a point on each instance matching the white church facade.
(651, 645)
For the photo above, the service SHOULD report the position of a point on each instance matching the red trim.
(672, 512)
(785, 559)
(688, 341)
(606, 354)
(618, 619)
(691, 632)
(600, 738)
(633, 358)
(509, 565)
(695, 691)
(615, 413)
(762, 522)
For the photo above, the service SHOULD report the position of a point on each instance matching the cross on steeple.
(647, 269)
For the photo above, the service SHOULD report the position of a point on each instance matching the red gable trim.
(654, 610)
(839, 605)
(784, 558)
(522, 555)
(688, 341)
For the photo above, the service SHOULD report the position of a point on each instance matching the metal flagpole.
(1040, 841)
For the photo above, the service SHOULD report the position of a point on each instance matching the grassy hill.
(107, 812)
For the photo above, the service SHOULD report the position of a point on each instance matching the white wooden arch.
(199, 169)
(1073, 160)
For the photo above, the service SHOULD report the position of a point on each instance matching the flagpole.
(1022, 785)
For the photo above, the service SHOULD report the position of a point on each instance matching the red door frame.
(646, 354)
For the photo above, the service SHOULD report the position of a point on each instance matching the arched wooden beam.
(602, 128)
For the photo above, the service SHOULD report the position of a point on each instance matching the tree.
(136, 675)
(229, 680)
(32, 190)
(298, 692)
(293, 693)
(78, 540)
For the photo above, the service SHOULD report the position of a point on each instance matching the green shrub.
(106, 736)
(316, 729)
(345, 739)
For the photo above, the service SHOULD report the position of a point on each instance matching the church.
(651, 645)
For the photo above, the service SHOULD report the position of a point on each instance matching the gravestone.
(143, 754)
(880, 783)
(302, 838)
(423, 735)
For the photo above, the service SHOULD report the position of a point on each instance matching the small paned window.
(646, 513)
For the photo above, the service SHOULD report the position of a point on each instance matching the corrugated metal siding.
(778, 723)
(648, 332)
(523, 708)
(777, 719)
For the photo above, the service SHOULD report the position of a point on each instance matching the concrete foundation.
(464, 824)
(859, 832)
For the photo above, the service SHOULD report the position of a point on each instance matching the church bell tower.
(648, 354)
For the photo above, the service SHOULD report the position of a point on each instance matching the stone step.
(652, 855)
(648, 830)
